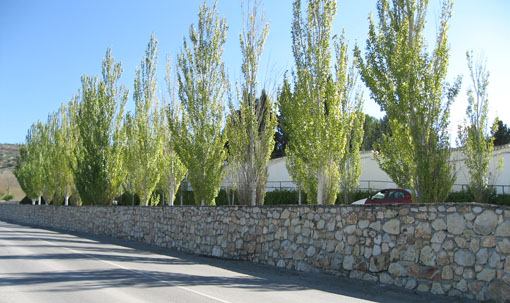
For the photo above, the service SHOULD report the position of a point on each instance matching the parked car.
(388, 196)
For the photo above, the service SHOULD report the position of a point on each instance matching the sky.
(46, 46)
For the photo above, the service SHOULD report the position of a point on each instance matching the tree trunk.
(202, 202)
(320, 189)
(299, 195)
(66, 202)
(33, 201)
(39, 200)
(253, 189)
(171, 196)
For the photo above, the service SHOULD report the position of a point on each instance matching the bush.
(284, 197)
(460, 196)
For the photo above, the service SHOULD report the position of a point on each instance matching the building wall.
(373, 177)
(460, 250)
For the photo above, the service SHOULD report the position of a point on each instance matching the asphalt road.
(40, 265)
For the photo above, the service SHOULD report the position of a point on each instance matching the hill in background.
(8, 183)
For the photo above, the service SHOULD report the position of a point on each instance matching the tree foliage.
(319, 108)
(29, 169)
(250, 129)
(350, 166)
(145, 141)
(99, 173)
(501, 135)
(64, 140)
(373, 130)
(197, 128)
(171, 167)
(477, 145)
(408, 83)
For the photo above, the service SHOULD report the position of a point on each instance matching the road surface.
(40, 265)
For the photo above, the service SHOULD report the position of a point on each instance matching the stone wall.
(460, 250)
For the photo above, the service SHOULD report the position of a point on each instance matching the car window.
(396, 195)
(378, 196)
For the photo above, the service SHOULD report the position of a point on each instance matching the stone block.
(447, 273)
(427, 256)
(350, 229)
(482, 256)
(437, 289)
(408, 253)
(392, 227)
(486, 275)
(462, 285)
(376, 251)
(486, 223)
(379, 263)
(503, 230)
(375, 225)
(455, 223)
(362, 224)
(411, 284)
(438, 237)
(474, 245)
(423, 230)
(503, 246)
(464, 257)
(348, 262)
(443, 258)
(430, 273)
(385, 278)
(423, 286)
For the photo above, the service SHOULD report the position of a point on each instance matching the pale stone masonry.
(460, 250)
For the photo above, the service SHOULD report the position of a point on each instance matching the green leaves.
(145, 141)
(203, 86)
(408, 83)
(319, 109)
(250, 128)
(98, 173)
(474, 137)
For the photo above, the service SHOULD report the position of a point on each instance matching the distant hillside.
(8, 155)
(8, 183)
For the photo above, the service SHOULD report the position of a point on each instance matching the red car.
(389, 196)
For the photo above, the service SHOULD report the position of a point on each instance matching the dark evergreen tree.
(502, 134)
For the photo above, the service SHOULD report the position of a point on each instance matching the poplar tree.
(99, 173)
(63, 133)
(319, 108)
(350, 166)
(476, 142)
(49, 157)
(408, 83)
(250, 128)
(203, 87)
(145, 145)
(129, 163)
(30, 170)
(24, 172)
(171, 167)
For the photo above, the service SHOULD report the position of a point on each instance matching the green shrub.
(284, 197)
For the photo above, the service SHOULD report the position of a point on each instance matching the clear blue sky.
(46, 46)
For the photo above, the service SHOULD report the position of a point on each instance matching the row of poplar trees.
(91, 149)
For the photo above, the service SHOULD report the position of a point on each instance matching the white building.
(373, 177)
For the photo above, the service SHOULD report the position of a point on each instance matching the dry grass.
(8, 183)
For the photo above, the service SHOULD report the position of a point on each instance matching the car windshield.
(378, 196)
